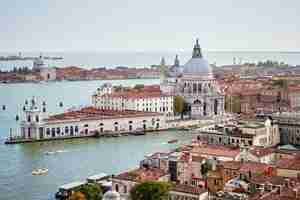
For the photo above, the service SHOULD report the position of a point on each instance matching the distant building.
(146, 99)
(37, 125)
(45, 73)
(249, 133)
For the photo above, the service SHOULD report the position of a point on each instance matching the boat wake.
(55, 152)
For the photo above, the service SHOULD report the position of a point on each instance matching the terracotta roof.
(188, 189)
(254, 167)
(142, 174)
(197, 158)
(261, 152)
(274, 180)
(216, 150)
(292, 164)
(89, 113)
(236, 165)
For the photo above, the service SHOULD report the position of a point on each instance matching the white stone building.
(152, 100)
(46, 73)
(196, 83)
(88, 121)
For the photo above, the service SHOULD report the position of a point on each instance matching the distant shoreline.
(65, 80)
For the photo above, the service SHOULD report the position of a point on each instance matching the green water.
(81, 157)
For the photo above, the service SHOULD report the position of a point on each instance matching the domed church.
(198, 86)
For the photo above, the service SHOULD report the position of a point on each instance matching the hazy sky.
(129, 25)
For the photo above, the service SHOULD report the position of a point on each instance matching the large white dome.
(197, 65)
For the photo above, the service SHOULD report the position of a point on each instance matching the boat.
(139, 133)
(65, 191)
(172, 141)
(50, 152)
(40, 171)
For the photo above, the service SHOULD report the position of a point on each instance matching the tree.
(179, 105)
(205, 167)
(91, 191)
(139, 86)
(281, 83)
(150, 190)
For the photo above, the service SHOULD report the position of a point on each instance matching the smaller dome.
(111, 195)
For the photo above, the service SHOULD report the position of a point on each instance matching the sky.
(152, 25)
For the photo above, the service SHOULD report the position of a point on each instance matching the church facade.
(195, 82)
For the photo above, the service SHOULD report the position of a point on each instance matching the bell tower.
(33, 117)
(163, 70)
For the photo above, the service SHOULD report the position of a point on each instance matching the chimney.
(296, 193)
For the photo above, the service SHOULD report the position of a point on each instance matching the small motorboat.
(172, 141)
(40, 171)
(61, 151)
(50, 152)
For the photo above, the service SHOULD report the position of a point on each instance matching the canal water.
(78, 158)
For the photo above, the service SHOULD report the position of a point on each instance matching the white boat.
(40, 171)
(61, 151)
(50, 152)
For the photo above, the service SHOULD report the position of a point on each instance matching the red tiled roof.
(216, 150)
(142, 174)
(88, 113)
(261, 152)
(292, 164)
(254, 167)
(188, 189)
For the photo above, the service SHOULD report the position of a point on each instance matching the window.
(58, 130)
(117, 188)
(66, 129)
(71, 130)
(76, 129)
(53, 132)
(215, 182)
(125, 189)
(48, 131)
(37, 118)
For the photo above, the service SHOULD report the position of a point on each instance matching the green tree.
(205, 167)
(139, 86)
(150, 190)
(91, 191)
(179, 105)
(281, 83)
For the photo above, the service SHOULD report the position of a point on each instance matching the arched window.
(37, 118)
(66, 129)
(204, 109)
(58, 130)
(216, 106)
(71, 130)
(76, 129)
(48, 131)
(117, 188)
(29, 118)
(53, 132)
